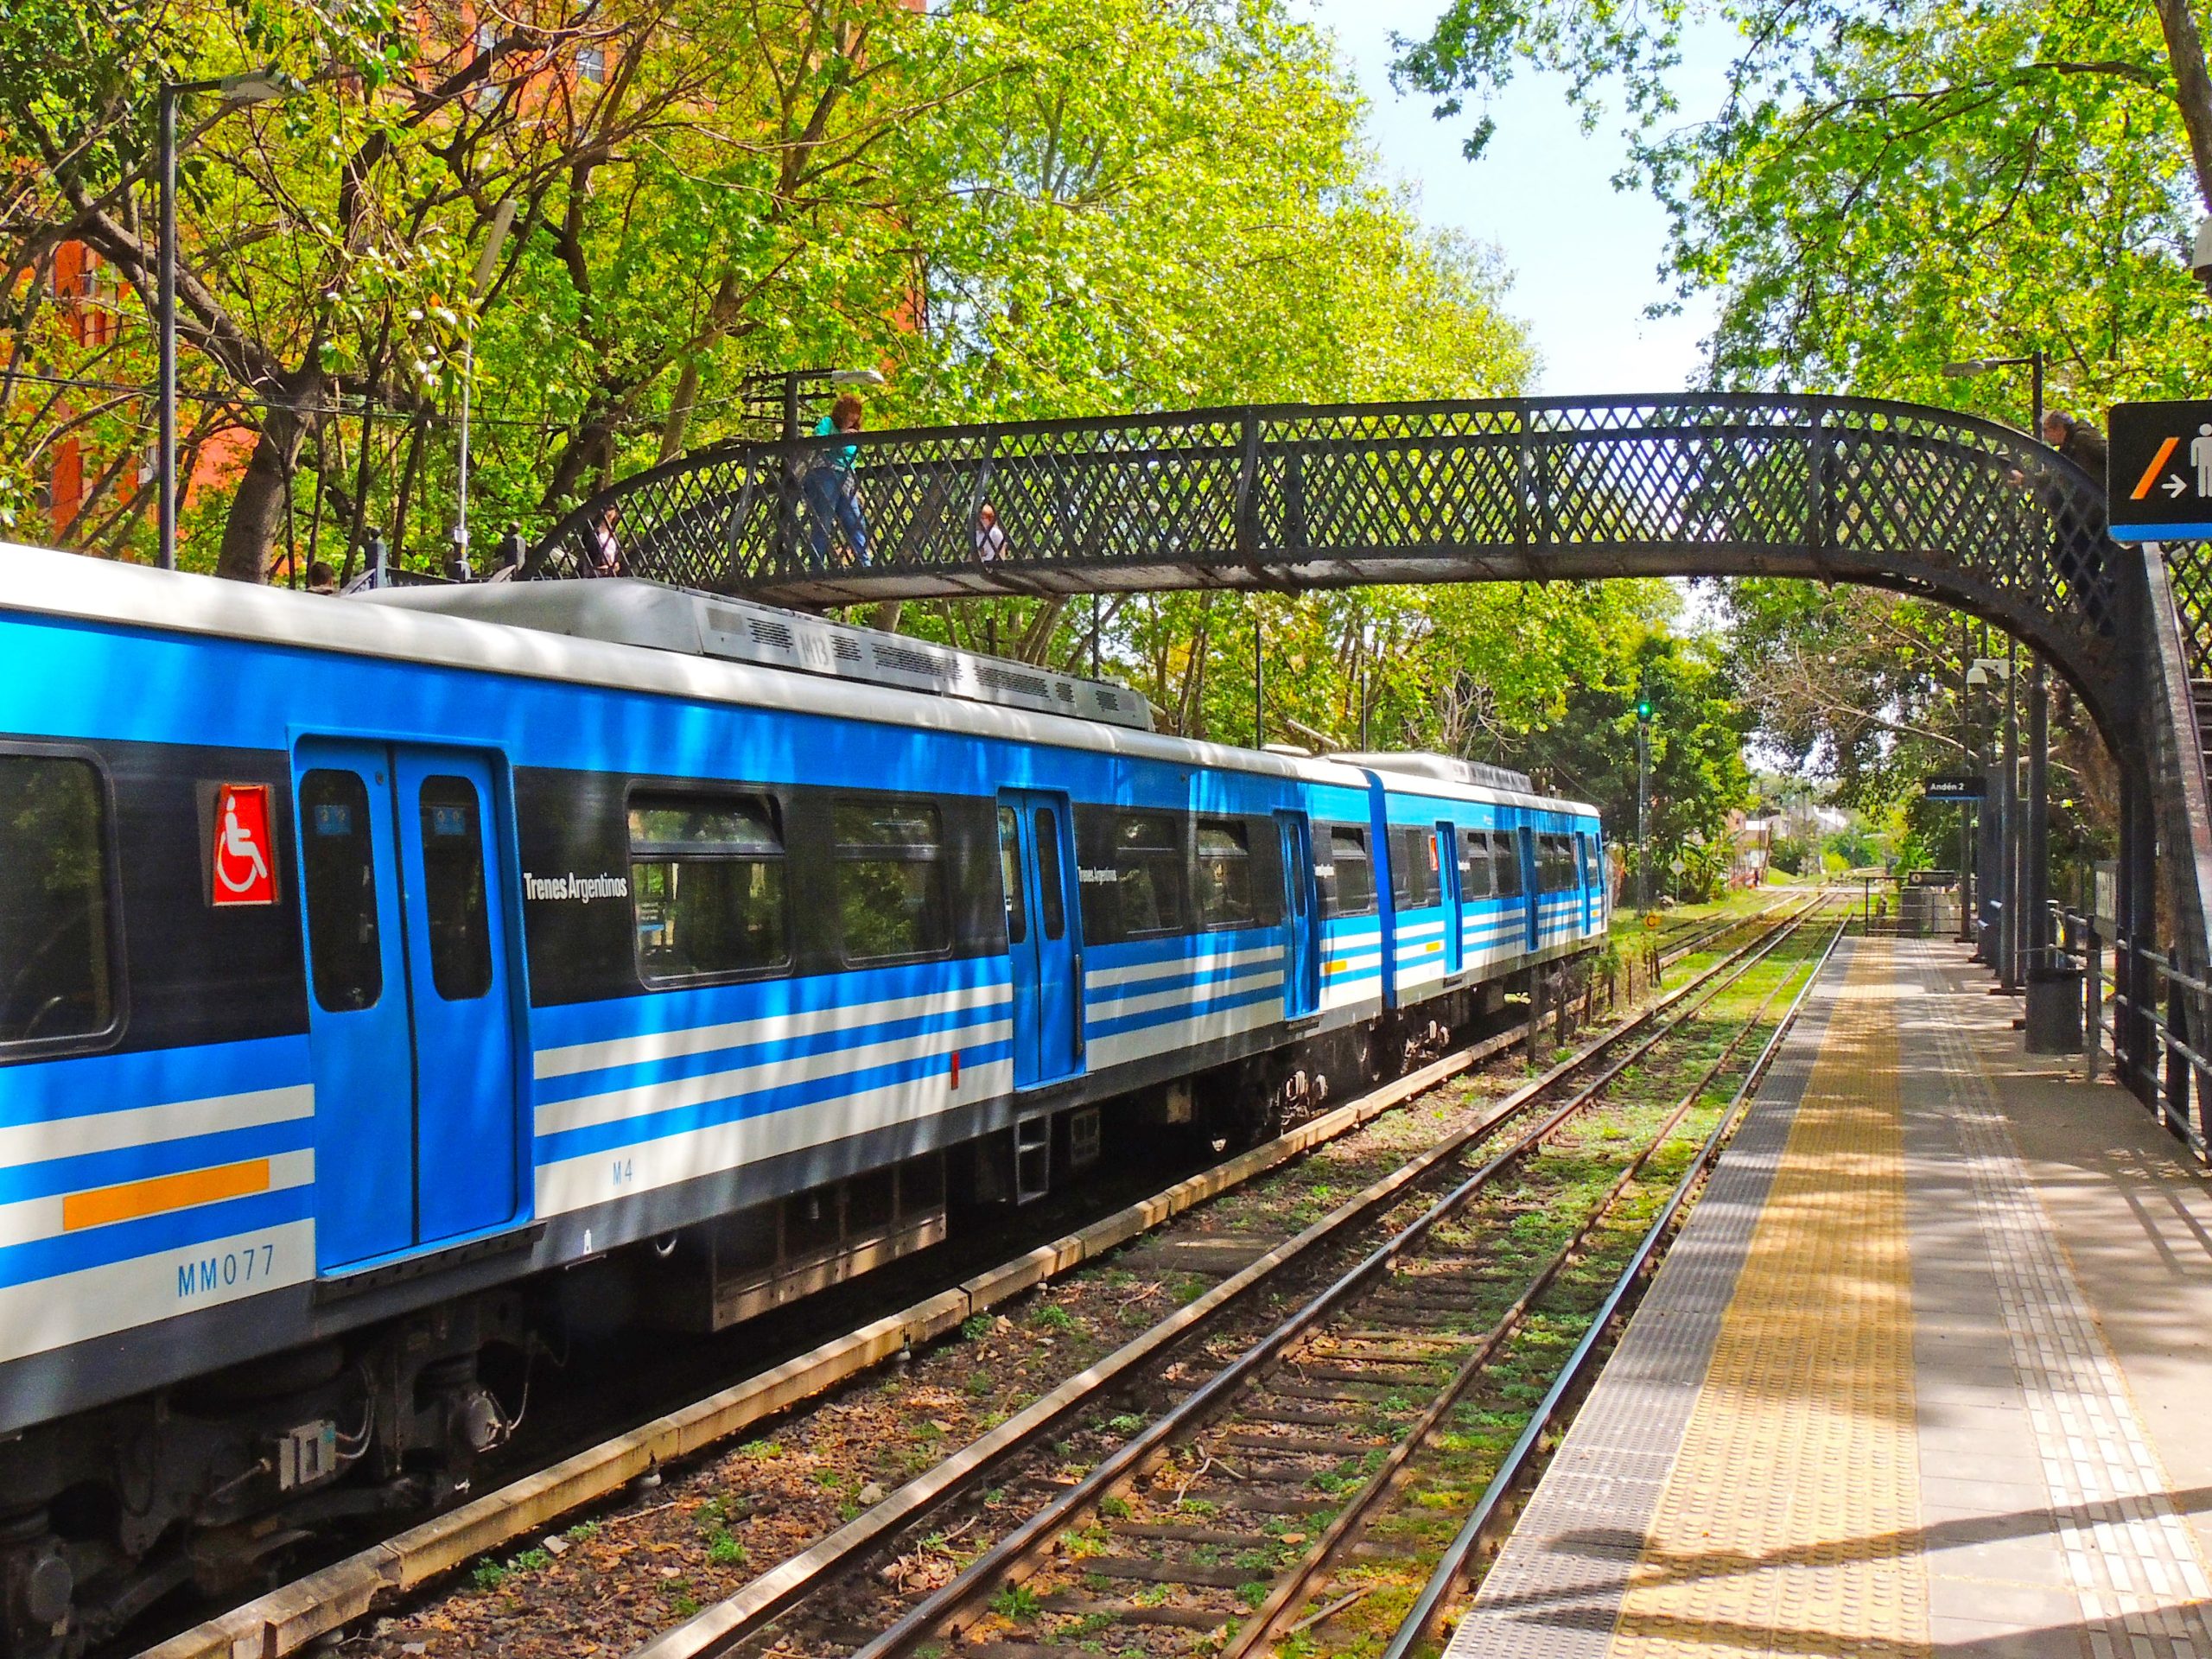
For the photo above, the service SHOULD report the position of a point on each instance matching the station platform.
(1928, 1372)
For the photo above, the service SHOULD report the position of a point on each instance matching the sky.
(1583, 256)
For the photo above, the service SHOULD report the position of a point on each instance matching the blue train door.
(1301, 969)
(1447, 878)
(1532, 882)
(1037, 868)
(409, 1022)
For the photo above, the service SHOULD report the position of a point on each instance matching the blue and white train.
(384, 985)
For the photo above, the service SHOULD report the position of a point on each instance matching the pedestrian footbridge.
(1920, 500)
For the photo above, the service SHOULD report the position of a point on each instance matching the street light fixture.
(2032, 361)
(264, 86)
(774, 394)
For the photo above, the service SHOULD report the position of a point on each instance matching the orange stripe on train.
(104, 1205)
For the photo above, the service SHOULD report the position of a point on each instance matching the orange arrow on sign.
(2159, 465)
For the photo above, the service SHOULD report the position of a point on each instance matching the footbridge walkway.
(1917, 500)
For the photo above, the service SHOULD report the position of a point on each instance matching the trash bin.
(2055, 1010)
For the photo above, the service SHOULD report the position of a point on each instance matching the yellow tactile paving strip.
(1790, 1523)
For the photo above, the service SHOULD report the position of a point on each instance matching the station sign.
(1964, 787)
(2158, 471)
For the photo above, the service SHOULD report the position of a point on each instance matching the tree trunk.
(2192, 88)
(257, 510)
(673, 429)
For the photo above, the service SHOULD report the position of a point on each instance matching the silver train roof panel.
(624, 610)
(1443, 768)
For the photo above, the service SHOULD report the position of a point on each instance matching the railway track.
(1242, 1463)
(290, 1617)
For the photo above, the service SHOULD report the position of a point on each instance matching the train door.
(1301, 972)
(1037, 865)
(1447, 886)
(409, 1022)
(1532, 882)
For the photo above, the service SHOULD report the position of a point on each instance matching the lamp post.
(234, 90)
(1999, 875)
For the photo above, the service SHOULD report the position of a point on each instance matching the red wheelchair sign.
(244, 851)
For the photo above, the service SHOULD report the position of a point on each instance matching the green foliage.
(1885, 188)
(1787, 854)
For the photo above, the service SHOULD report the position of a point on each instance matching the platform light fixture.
(1985, 668)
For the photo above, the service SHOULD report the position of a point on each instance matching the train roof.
(625, 610)
(46, 583)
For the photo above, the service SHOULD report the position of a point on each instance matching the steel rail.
(924, 1622)
(1421, 1617)
(1292, 1591)
(717, 1628)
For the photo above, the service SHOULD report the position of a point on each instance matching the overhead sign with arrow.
(2158, 476)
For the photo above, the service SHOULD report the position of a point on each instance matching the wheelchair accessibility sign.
(244, 862)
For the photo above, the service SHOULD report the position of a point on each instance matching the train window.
(1505, 860)
(1352, 890)
(1558, 864)
(1017, 913)
(55, 977)
(1415, 881)
(338, 868)
(453, 882)
(1051, 897)
(890, 901)
(1476, 880)
(1148, 873)
(1224, 874)
(707, 886)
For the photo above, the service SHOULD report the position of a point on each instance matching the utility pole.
(503, 219)
(1259, 681)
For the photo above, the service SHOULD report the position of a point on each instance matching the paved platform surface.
(1928, 1372)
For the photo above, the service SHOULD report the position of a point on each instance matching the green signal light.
(1644, 708)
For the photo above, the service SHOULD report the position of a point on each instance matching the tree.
(1885, 189)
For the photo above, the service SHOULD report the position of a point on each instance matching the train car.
(388, 989)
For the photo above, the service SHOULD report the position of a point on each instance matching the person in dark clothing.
(2077, 441)
(2079, 524)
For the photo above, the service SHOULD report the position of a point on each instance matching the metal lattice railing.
(1852, 489)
